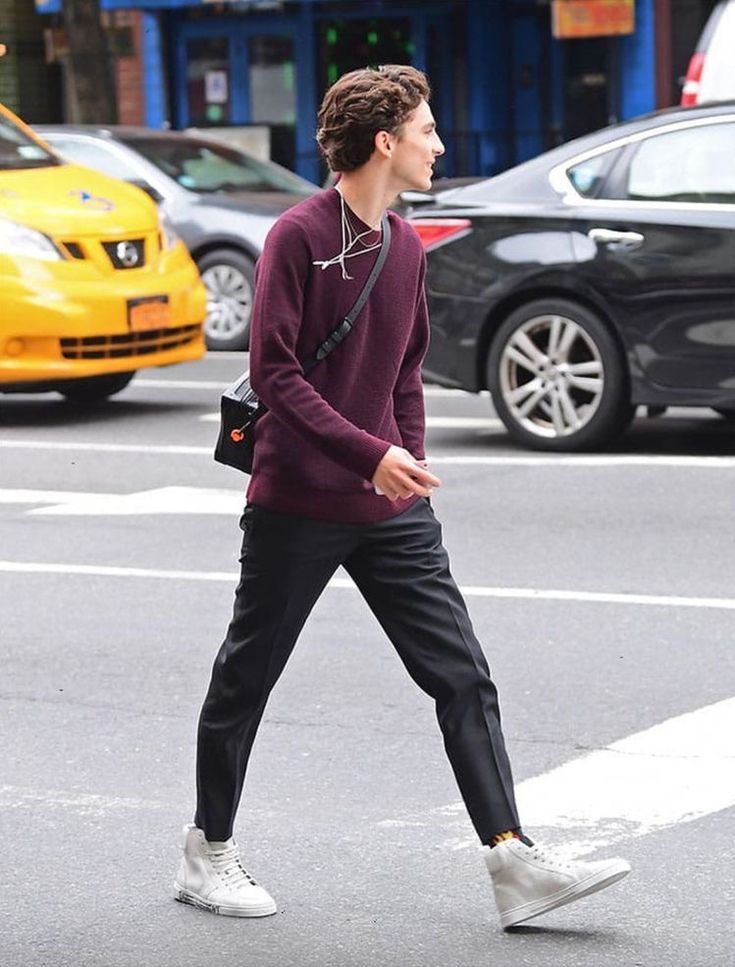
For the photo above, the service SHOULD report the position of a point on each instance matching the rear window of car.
(690, 165)
(210, 167)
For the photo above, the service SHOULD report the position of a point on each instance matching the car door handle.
(608, 236)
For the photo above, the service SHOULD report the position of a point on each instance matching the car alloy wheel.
(228, 278)
(558, 379)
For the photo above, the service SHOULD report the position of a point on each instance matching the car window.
(93, 154)
(207, 166)
(587, 176)
(690, 165)
(17, 150)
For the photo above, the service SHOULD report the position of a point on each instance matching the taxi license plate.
(149, 313)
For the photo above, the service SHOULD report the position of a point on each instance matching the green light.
(410, 47)
(332, 73)
(331, 35)
(372, 38)
(288, 76)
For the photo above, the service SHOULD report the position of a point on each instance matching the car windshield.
(210, 167)
(17, 150)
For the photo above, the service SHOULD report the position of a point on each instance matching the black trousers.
(402, 571)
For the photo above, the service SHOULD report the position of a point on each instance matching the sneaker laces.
(549, 859)
(228, 866)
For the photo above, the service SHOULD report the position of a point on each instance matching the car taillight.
(690, 91)
(434, 232)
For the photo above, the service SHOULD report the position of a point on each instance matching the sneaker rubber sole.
(193, 899)
(615, 871)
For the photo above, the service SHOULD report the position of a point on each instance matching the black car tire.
(229, 277)
(94, 389)
(574, 398)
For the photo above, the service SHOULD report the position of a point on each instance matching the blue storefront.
(504, 88)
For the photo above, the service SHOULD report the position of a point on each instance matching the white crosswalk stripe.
(678, 771)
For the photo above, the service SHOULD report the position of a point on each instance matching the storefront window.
(273, 93)
(208, 81)
(346, 45)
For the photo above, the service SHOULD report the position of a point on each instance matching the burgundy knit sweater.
(323, 437)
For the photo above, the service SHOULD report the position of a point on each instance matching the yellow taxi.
(94, 284)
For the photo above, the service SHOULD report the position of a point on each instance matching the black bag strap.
(345, 327)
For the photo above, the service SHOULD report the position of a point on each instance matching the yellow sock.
(500, 837)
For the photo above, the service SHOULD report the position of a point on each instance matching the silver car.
(221, 201)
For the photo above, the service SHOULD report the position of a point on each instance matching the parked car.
(592, 279)
(711, 72)
(94, 283)
(221, 202)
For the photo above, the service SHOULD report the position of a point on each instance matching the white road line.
(431, 390)
(459, 460)
(82, 445)
(471, 591)
(44, 496)
(588, 460)
(95, 570)
(462, 422)
(161, 500)
(675, 772)
(183, 383)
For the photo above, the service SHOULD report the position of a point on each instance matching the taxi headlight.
(169, 238)
(16, 239)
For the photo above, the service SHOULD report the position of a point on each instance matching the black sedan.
(595, 278)
(221, 201)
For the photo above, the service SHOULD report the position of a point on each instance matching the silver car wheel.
(229, 301)
(551, 376)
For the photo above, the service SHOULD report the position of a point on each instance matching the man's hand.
(398, 475)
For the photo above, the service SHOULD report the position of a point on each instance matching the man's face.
(415, 148)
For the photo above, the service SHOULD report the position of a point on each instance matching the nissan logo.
(127, 254)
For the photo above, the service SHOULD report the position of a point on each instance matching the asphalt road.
(602, 589)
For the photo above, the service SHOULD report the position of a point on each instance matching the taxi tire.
(94, 389)
(228, 267)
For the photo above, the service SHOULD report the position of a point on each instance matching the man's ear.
(383, 143)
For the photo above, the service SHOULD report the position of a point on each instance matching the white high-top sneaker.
(211, 876)
(528, 881)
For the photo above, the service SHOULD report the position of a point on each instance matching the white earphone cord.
(349, 240)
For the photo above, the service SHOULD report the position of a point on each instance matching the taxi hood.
(71, 201)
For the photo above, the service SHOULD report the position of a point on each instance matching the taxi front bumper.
(61, 321)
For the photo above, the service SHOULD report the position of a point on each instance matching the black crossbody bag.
(240, 408)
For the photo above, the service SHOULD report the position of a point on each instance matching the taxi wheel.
(229, 278)
(93, 389)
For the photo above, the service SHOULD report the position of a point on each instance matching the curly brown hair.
(362, 103)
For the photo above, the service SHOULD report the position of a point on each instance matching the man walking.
(340, 478)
